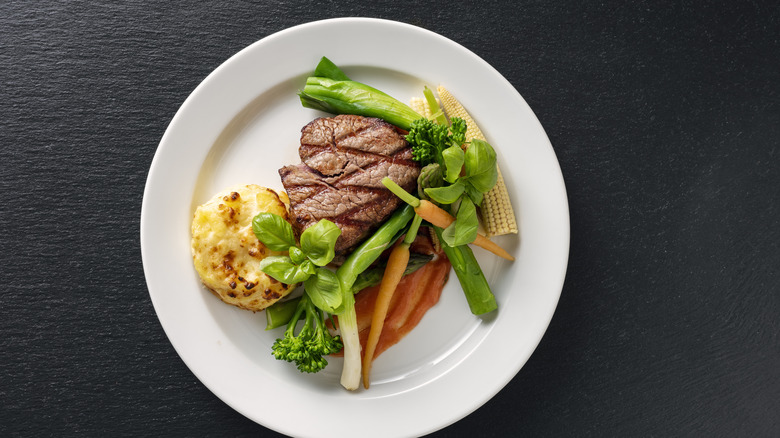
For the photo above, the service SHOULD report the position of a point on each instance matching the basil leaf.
(296, 255)
(446, 194)
(273, 231)
(475, 195)
(324, 290)
(464, 229)
(453, 158)
(480, 163)
(319, 240)
(282, 269)
(308, 267)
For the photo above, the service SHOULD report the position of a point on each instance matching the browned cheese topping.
(225, 251)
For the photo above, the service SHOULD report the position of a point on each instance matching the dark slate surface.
(666, 122)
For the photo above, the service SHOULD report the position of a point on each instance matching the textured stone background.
(665, 118)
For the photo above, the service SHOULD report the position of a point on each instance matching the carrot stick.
(440, 217)
(394, 271)
(434, 214)
(485, 243)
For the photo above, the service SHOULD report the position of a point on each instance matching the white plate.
(243, 123)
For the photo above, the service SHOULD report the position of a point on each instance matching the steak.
(344, 160)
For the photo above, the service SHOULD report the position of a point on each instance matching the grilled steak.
(344, 160)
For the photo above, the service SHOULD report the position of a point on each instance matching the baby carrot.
(394, 271)
(485, 243)
(441, 218)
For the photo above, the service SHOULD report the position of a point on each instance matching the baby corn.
(420, 105)
(496, 209)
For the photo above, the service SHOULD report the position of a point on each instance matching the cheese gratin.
(226, 252)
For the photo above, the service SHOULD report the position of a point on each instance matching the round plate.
(241, 125)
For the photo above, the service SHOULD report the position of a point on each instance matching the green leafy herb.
(474, 194)
(319, 240)
(305, 263)
(279, 313)
(480, 165)
(453, 158)
(464, 230)
(282, 269)
(324, 289)
(462, 177)
(308, 267)
(276, 233)
(296, 255)
(446, 194)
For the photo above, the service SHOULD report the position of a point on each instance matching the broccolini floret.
(308, 348)
(428, 139)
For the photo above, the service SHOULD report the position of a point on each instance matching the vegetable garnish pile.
(459, 184)
(303, 264)
(455, 177)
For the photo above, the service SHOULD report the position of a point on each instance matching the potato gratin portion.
(226, 252)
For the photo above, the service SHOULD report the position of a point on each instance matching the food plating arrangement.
(387, 200)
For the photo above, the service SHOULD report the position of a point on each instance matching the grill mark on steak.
(344, 144)
(344, 159)
(315, 153)
(311, 201)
